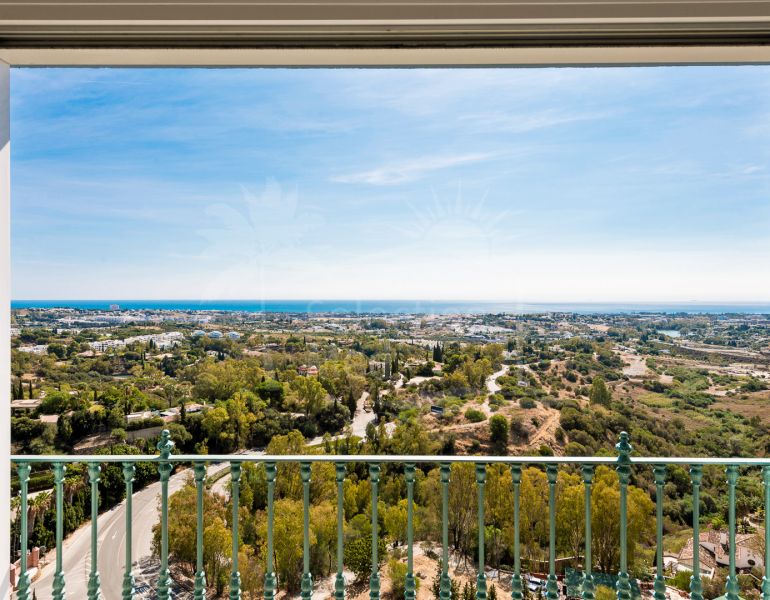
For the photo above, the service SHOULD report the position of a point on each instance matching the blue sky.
(620, 184)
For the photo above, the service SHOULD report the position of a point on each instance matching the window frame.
(42, 34)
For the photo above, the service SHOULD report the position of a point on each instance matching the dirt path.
(492, 388)
(546, 433)
(637, 365)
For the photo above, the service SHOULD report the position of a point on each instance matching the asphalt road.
(112, 536)
(112, 543)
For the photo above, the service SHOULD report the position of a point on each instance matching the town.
(562, 384)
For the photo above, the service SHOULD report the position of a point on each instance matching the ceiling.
(381, 23)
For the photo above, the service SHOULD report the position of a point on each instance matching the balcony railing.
(165, 461)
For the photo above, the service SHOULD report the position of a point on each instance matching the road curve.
(112, 533)
(112, 541)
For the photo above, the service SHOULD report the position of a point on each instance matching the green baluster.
(94, 584)
(270, 581)
(445, 592)
(129, 470)
(307, 578)
(200, 573)
(22, 593)
(552, 584)
(732, 579)
(374, 579)
(696, 586)
(660, 580)
(58, 586)
(766, 578)
(517, 591)
(339, 581)
(481, 579)
(588, 578)
(409, 586)
(624, 474)
(164, 468)
(235, 492)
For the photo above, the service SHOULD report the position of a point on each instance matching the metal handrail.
(387, 458)
(622, 463)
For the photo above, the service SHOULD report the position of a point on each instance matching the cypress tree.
(351, 404)
(600, 393)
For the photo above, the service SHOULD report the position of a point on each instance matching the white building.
(233, 335)
(215, 335)
(161, 340)
(104, 345)
(39, 349)
(138, 416)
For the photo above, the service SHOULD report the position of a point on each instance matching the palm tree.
(37, 506)
(16, 523)
(73, 484)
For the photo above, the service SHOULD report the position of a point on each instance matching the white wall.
(5, 320)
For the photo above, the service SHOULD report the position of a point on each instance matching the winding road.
(493, 388)
(112, 535)
(112, 542)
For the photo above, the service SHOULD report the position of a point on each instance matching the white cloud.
(409, 171)
(528, 121)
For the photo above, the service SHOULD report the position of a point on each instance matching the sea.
(375, 307)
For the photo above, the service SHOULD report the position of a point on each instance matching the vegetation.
(568, 388)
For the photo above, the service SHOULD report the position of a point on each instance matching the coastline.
(403, 307)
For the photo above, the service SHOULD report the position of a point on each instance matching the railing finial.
(165, 445)
(624, 448)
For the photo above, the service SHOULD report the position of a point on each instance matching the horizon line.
(427, 300)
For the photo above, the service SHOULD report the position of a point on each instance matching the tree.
(462, 508)
(519, 431)
(394, 518)
(323, 520)
(498, 532)
(397, 574)
(57, 350)
(252, 570)
(570, 515)
(63, 430)
(182, 534)
(605, 593)
(310, 393)
(469, 590)
(600, 393)
(498, 433)
(228, 425)
(273, 392)
(217, 551)
(605, 508)
(358, 556)
(454, 586)
(288, 537)
(55, 403)
(288, 484)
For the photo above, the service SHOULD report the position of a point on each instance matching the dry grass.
(756, 405)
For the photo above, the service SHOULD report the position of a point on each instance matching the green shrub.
(358, 556)
(397, 573)
(474, 416)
